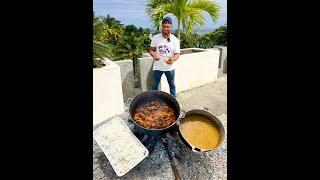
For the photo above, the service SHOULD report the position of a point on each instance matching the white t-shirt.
(165, 48)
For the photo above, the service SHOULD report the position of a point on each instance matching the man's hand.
(170, 61)
(156, 57)
(154, 54)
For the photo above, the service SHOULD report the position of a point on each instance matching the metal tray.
(121, 147)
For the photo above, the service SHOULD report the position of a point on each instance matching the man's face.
(166, 28)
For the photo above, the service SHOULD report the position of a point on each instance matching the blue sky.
(133, 12)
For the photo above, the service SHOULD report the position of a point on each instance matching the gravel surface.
(212, 96)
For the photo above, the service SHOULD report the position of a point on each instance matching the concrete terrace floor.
(212, 96)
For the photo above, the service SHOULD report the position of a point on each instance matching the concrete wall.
(225, 63)
(223, 58)
(127, 78)
(145, 55)
(107, 92)
(191, 50)
(194, 69)
(145, 65)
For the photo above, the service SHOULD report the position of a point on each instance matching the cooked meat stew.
(154, 115)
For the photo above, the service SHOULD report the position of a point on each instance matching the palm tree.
(130, 46)
(105, 28)
(188, 12)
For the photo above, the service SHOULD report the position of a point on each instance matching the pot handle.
(181, 116)
(196, 150)
(182, 113)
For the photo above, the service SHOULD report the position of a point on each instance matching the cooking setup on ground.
(157, 116)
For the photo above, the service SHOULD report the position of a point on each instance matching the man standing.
(165, 50)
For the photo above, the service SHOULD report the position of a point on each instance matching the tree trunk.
(178, 33)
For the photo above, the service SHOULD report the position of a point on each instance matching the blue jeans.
(170, 78)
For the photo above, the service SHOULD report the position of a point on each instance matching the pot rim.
(194, 148)
(181, 112)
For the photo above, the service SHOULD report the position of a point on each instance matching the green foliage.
(188, 41)
(106, 28)
(209, 40)
(217, 37)
(115, 41)
(101, 50)
(220, 35)
(189, 13)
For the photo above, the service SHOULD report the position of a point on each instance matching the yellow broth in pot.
(200, 132)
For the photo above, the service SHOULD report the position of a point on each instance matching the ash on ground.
(157, 165)
(191, 165)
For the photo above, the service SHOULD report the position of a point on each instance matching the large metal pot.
(209, 116)
(160, 96)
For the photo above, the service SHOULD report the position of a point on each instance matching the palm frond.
(101, 50)
(212, 8)
(194, 19)
(189, 13)
(153, 4)
(158, 15)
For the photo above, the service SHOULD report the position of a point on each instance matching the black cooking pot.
(159, 96)
(209, 116)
